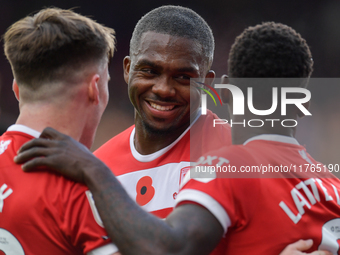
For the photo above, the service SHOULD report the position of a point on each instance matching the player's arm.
(190, 229)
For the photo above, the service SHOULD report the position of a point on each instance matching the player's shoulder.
(116, 143)
(5, 141)
(209, 134)
(233, 154)
(65, 191)
(10, 143)
(224, 166)
(234, 150)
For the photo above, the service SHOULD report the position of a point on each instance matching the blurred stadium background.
(317, 21)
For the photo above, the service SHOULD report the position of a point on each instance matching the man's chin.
(161, 130)
(157, 130)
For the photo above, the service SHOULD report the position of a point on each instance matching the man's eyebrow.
(145, 62)
(187, 70)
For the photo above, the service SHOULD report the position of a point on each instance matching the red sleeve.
(80, 220)
(230, 200)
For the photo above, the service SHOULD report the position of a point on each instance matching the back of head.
(176, 21)
(270, 50)
(53, 44)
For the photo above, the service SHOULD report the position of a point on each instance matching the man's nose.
(164, 87)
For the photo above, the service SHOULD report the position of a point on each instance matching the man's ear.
(225, 93)
(210, 74)
(300, 113)
(126, 67)
(93, 90)
(209, 77)
(15, 89)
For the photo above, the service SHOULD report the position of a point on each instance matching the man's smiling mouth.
(162, 107)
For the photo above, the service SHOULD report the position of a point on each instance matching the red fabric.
(259, 225)
(46, 213)
(167, 170)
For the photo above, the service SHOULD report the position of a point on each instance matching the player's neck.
(40, 116)
(147, 142)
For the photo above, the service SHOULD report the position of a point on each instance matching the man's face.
(158, 74)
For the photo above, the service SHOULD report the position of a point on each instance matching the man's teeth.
(161, 107)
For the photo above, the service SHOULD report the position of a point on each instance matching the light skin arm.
(189, 229)
(298, 247)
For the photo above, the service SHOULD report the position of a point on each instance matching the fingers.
(29, 153)
(37, 142)
(298, 247)
(57, 152)
(35, 164)
(39, 147)
(47, 135)
(52, 134)
(302, 245)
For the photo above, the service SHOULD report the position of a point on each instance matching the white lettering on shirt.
(4, 195)
(4, 145)
(310, 197)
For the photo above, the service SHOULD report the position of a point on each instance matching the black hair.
(176, 21)
(271, 50)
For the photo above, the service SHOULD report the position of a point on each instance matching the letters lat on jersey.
(312, 195)
(4, 195)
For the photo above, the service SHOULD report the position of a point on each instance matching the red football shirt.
(153, 180)
(44, 213)
(264, 215)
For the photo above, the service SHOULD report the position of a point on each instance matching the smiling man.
(169, 45)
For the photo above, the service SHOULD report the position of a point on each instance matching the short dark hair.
(53, 44)
(271, 50)
(176, 21)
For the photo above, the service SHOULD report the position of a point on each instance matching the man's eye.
(183, 77)
(148, 71)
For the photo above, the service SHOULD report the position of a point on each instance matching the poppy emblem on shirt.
(145, 190)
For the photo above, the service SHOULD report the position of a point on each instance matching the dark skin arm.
(190, 229)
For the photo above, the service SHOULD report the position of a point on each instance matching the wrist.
(96, 175)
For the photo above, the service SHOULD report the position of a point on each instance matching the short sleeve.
(81, 221)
